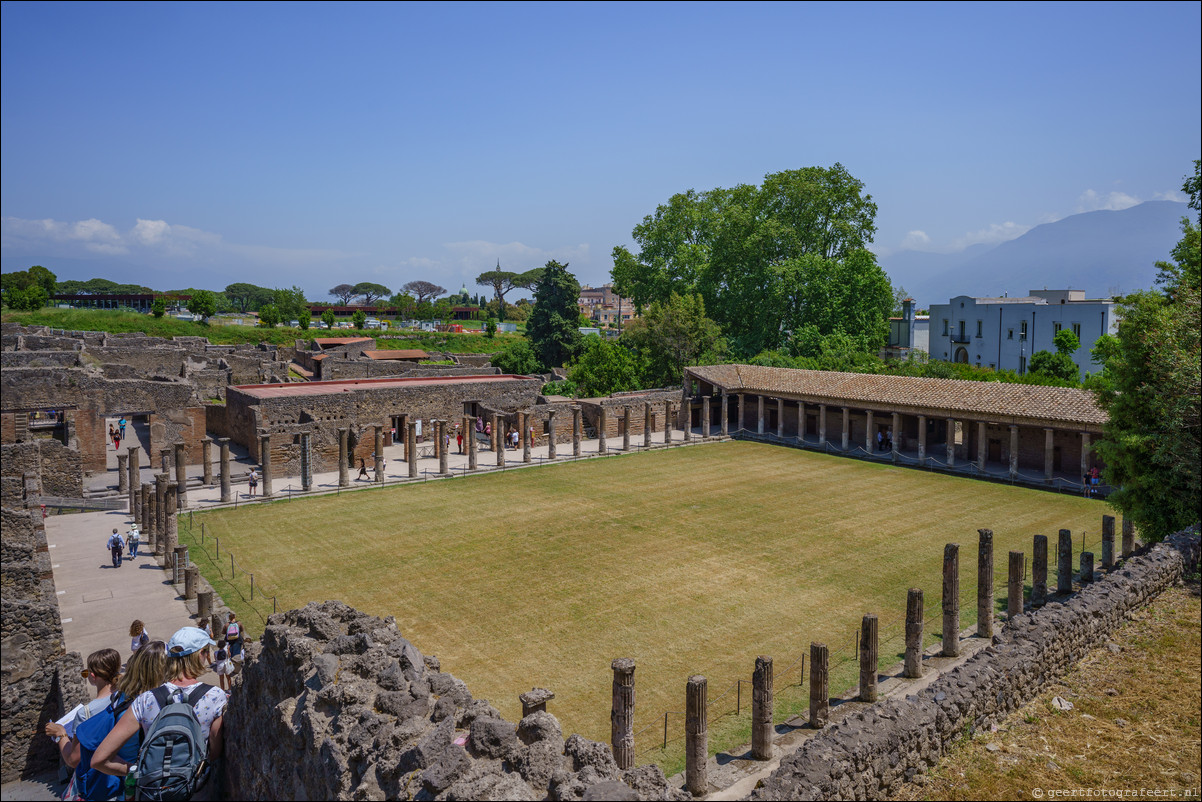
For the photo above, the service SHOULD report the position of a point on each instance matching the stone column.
(1014, 587)
(150, 532)
(165, 459)
(1085, 453)
(160, 502)
(1013, 452)
(495, 441)
(144, 510)
(1064, 562)
(191, 575)
(982, 445)
(379, 443)
(535, 701)
(868, 658)
(204, 605)
(621, 717)
(402, 431)
(524, 417)
(223, 465)
(801, 421)
(895, 438)
(626, 428)
(822, 424)
(1039, 572)
(820, 697)
(687, 408)
(123, 473)
(1108, 542)
(913, 663)
(602, 423)
(206, 457)
(869, 442)
(668, 423)
(575, 431)
(648, 423)
(469, 440)
(739, 428)
(499, 437)
(444, 451)
(922, 439)
(411, 445)
(306, 461)
(705, 416)
(135, 483)
(551, 451)
(265, 463)
(1048, 452)
(760, 425)
(344, 473)
(780, 417)
(761, 709)
(951, 600)
(985, 583)
(951, 442)
(1128, 537)
(436, 437)
(181, 476)
(1086, 567)
(696, 736)
(846, 428)
(171, 523)
(724, 427)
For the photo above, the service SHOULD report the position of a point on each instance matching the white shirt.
(145, 708)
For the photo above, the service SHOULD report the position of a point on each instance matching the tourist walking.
(233, 637)
(223, 667)
(113, 435)
(459, 439)
(362, 469)
(132, 540)
(103, 669)
(121, 427)
(252, 482)
(138, 636)
(115, 546)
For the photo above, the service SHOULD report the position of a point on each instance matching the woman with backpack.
(233, 637)
(145, 671)
(103, 668)
(190, 710)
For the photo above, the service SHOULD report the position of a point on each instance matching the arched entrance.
(961, 355)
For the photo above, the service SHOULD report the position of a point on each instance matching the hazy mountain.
(1103, 253)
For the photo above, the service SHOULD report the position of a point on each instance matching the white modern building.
(1003, 333)
(908, 333)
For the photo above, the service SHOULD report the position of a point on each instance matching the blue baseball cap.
(188, 641)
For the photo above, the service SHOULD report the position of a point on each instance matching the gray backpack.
(173, 761)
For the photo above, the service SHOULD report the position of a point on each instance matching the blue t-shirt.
(93, 784)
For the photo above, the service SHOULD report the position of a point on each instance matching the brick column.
(181, 475)
(344, 473)
(223, 456)
(724, 427)
(575, 431)
(1013, 452)
(306, 461)
(602, 423)
(265, 463)
(922, 439)
(206, 457)
(1048, 452)
(705, 416)
(123, 473)
(951, 442)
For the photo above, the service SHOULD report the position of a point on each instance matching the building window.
(1010, 334)
(945, 327)
(979, 328)
(1022, 330)
(1056, 328)
(1077, 330)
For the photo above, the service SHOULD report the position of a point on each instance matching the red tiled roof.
(980, 399)
(397, 354)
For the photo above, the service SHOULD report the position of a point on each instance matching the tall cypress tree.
(553, 325)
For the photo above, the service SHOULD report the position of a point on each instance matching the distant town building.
(908, 333)
(603, 305)
(1003, 333)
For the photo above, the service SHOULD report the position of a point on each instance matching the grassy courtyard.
(691, 561)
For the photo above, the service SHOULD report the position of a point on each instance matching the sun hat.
(188, 641)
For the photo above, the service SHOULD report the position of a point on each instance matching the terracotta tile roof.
(397, 354)
(326, 342)
(980, 399)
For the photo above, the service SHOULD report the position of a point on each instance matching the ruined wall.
(614, 422)
(334, 369)
(870, 754)
(57, 467)
(352, 710)
(40, 678)
(40, 359)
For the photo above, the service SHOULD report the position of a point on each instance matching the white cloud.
(1171, 195)
(481, 255)
(1091, 201)
(991, 235)
(915, 241)
(91, 235)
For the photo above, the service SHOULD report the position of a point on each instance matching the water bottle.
(131, 783)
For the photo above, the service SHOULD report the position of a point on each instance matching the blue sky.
(200, 144)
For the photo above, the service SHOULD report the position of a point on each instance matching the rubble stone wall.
(40, 678)
(352, 710)
(57, 467)
(870, 754)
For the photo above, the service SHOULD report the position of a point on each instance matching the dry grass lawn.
(690, 560)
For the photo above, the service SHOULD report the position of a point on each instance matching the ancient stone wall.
(40, 678)
(870, 754)
(591, 410)
(352, 710)
(57, 467)
(39, 359)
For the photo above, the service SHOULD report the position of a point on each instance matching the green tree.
(442, 309)
(371, 292)
(423, 290)
(604, 367)
(359, 318)
(672, 335)
(248, 297)
(490, 328)
(503, 281)
(269, 316)
(1153, 371)
(1066, 342)
(328, 317)
(518, 359)
(551, 327)
(305, 321)
(344, 293)
(203, 303)
(28, 299)
(23, 280)
(405, 304)
(158, 307)
(1058, 365)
